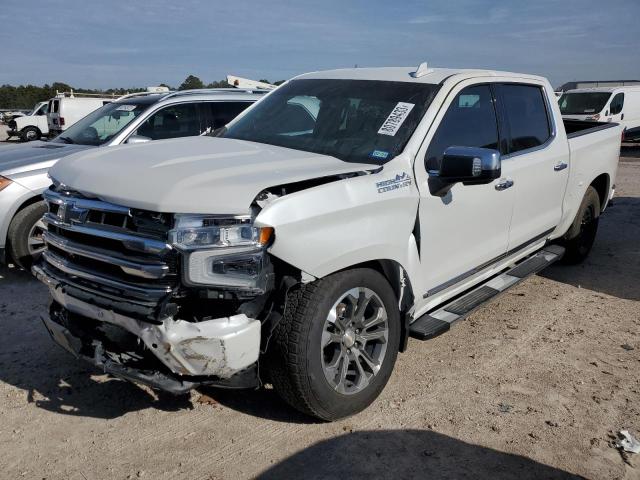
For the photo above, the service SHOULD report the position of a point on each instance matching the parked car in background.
(343, 212)
(32, 126)
(605, 104)
(134, 118)
(67, 108)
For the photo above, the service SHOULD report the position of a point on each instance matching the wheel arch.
(602, 186)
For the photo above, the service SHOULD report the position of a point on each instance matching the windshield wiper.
(66, 140)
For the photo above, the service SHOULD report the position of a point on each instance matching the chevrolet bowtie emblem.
(69, 213)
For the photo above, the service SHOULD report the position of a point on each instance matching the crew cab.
(305, 242)
(134, 118)
(32, 126)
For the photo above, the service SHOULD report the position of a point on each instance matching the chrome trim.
(504, 185)
(479, 268)
(560, 166)
(58, 199)
(53, 280)
(132, 242)
(155, 270)
(67, 267)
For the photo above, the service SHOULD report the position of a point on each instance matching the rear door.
(616, 109)
(537, 161)
(54, 114)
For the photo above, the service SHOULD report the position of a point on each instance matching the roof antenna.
(422, 70)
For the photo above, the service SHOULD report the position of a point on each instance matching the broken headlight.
(226, 252)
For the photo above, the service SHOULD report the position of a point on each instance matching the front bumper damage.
(172, 355)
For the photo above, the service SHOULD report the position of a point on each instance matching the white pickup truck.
(304, 243)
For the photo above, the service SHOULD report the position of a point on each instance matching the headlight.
(4, 183)
(227, 252)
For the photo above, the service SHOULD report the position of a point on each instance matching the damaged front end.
(171, 301)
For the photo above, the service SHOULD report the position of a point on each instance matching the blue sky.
(124, 43)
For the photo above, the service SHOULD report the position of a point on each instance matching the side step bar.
(439, 320)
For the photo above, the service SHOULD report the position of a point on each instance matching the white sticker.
(126, 108)
(396, 118)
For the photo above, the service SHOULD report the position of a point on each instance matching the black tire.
(582, 233)
(295, 357)
(19, 230)
(28, 134)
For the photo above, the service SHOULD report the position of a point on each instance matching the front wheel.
(333, 351)
(582, 233)
(29, 134)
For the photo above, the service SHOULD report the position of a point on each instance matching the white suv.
(133, 118)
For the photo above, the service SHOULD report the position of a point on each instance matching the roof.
(193, 95)
(634, 88)
(595, 83)
(403, 74)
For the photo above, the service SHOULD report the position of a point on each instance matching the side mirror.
(466, 165)
(137, 139)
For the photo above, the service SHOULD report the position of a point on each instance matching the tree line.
(26, 96)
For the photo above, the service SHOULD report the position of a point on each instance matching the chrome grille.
(114, 250)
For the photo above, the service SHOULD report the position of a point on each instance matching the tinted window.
(470, 121)
(526, 116)
(223, 112)
(174, 121)
(353, 120)
(617, 103)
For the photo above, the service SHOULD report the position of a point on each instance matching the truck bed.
(576, 128)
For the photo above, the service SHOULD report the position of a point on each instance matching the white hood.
(192, 175)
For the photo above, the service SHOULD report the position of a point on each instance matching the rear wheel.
(29, 134)
(25, 234)
(580, 237)
(333, 351)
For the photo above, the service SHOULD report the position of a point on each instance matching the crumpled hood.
(192, 175)
(23, 157)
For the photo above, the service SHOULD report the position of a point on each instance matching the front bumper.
(209, 352)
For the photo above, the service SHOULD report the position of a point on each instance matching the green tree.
(190, 83)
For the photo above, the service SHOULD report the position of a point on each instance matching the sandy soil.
(532, 386)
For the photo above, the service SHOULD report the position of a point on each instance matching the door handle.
(504, 184)
(560, 166)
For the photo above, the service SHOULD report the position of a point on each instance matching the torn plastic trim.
(220, 347)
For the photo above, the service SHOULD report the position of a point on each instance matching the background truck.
(134, 118)
(605, 104)
(32, 126)
(340, 214)
(67, 108)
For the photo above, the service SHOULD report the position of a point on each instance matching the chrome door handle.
(503, 185)
(560, 166)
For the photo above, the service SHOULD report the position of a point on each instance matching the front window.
(585, 103)
(354, 120)
(101, 125)
(180, 120)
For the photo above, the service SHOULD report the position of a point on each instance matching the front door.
(469, 226)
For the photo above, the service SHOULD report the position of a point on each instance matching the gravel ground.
(532, 386)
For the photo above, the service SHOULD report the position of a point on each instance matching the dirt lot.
(532, 386)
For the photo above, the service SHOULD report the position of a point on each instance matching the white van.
(605, 104)
(67, 108)
(32, 126)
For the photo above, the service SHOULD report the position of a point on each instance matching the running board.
(439, 321)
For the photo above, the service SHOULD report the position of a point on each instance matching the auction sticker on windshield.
(126, 108)
(396, 118)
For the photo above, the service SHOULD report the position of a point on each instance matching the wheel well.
(397, 276)
(25, 204)
(601, 184)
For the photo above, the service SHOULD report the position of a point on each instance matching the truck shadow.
(407, 454)
(613, 267)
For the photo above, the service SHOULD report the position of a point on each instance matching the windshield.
(586, 103)
(354, 120)
(101, 125)
(40, 109)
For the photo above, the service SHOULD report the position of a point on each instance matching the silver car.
(133, 118)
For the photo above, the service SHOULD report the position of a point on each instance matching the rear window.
(527, 120)
(585, 103)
